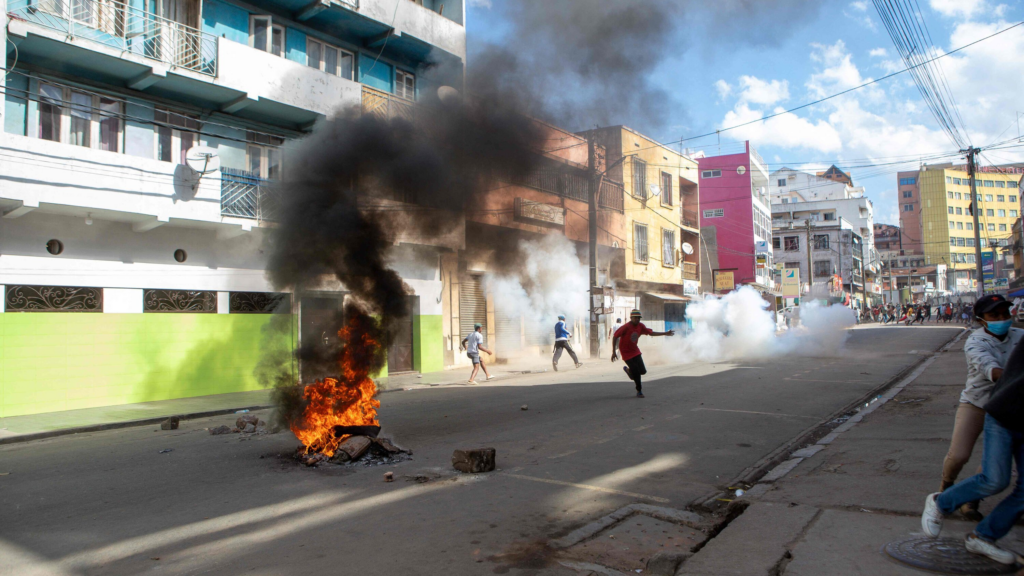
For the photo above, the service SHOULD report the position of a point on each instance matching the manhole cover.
(943, 556)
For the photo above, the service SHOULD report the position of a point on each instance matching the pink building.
(736, 217)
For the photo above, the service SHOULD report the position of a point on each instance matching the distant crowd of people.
(962, 313)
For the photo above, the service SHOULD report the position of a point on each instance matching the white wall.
(265, 76)
(419, 22)
(36, 171)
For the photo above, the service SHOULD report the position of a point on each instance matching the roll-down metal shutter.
(472, 305)
(508, 329)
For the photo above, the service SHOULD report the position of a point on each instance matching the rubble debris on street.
(474, 461)
(247, 425)
(166, 450)
(389, 476)
(358, 450)
(170, 424)
(524, 407)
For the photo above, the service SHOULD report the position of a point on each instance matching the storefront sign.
(762, 261)
(791, 282)
(724, 281)
(691, 288)
(762, 247)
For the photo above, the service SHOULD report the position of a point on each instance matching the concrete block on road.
(753, 543)
(474, 461)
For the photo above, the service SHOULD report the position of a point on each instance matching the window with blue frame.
(908, 181)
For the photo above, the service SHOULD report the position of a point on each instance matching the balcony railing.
(572, 185)
(611, 196)
(689, 219)
(386, 105)
(689, 270)
(246, 195)
(126, 27)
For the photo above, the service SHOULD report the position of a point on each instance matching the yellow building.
(946, 223)
(661, 224)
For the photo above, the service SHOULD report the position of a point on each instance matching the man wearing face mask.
(987, 350)
(990, 351)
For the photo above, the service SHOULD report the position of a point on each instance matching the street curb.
(126, 424)
(754, 472)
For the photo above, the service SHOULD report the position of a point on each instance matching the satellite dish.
(687, 249)
(448, 94)
(655, 189)
(203, 159)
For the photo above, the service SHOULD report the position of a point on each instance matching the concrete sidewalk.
(851, 494)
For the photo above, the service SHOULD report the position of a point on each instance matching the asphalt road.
(110, 503)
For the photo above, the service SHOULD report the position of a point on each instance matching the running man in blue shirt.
(562, 336)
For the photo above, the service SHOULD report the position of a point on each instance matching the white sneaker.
(491, 377)
(978, 545)
(931, 518)
(471, 382)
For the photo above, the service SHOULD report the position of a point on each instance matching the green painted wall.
(428, 349)
(65, 361)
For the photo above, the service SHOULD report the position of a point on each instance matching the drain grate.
(943, 556)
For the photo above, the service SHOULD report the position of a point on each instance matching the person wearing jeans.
(1002, 447)
(987, 351)
(562, 336)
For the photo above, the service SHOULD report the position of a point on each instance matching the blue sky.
(721, 83)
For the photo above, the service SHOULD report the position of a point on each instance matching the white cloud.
(480, 3)
(859, 6)
(787, 130)
(759, 91)
(723, 88)
(959, 8)
(878, 53)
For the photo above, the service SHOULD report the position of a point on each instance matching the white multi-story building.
(798, 195)
(130, 273)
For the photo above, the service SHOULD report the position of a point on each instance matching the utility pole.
(892, 287)
(972, 168)
(595, 187)
(810, 272)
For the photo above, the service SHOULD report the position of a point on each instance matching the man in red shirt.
(625, 340)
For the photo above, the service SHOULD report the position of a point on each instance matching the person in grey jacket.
(987, 350)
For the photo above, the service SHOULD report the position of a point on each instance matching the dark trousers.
(564, 345)
(636, 369)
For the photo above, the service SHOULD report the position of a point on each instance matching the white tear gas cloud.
(738, 326)
(548, 280)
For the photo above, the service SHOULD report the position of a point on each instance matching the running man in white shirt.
(473, 344)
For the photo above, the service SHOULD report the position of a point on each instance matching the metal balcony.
(386, 105)
(246, 195)
(125, 27)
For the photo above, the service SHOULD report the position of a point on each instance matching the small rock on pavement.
(246, 419)
(249, 429)
(355, 446)
(389, 476)
(220, 430)
(524, 407)
(474, 461)
(170, 424)
(666, 563)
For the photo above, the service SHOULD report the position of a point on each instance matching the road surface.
(111, 503)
